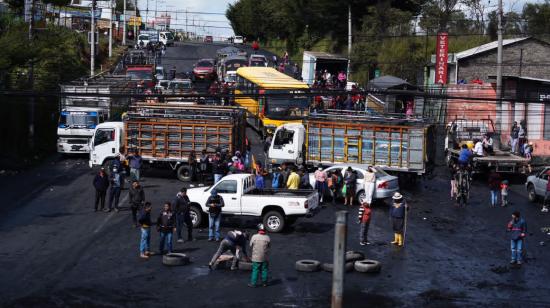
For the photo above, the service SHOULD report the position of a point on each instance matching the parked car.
(386, 185)
(276, 207)
(257, 60)
(204, 69)
(536, 184)
(180, 86)
(160, 74)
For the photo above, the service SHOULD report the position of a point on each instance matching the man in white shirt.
(478, 148)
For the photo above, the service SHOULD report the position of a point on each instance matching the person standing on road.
(192, 161)
(183, 216)
(504, 187)
(259, 246)
(350, 182)
(494, 186)
(101, 183)
(214, 204)
(518, 229)
(218, 167)
(514, 137)
(397, 217)
(293, 181)
(320, 182)
(166, 227)
(364, 220)
(137, 198)
(114, 192)
(145, 223)
(235, 242)
(204, 165)
(135, 162)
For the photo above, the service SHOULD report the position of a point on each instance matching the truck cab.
(287, 144)
(75, 128)
(105, 143)
(166, 38)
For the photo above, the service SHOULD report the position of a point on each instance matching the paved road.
(55, 251)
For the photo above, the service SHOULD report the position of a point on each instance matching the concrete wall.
(484, 65)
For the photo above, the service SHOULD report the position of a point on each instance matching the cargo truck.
(164, 135)
(314, 61)
(393, 144)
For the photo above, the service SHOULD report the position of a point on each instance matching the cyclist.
(464, 157)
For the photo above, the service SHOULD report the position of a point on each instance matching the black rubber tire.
(531, 194)
(354, 256)
(274, 221)
(245, 266)
(368, 266)
(307, 265)
(183, 173)
(328, 267)
(196, 212)
(175, 259)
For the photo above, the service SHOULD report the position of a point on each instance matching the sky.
(208, 24)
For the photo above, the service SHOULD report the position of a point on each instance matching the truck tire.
(196, 216)
(274, 221)
(307, 265)
(184, 173)
(531, 193)
(354, 256)
(175, 259)
(367, 266)
(328, 267)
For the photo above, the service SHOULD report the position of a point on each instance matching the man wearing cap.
(320, 182)
(518, 229)
(398, 216)
(214, 204)
(114, 192)
(259, 244)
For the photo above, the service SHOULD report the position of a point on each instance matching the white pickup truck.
(276, 207)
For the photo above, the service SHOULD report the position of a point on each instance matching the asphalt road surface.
(55, 251)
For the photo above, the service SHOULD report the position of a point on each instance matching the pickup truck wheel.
(531, 194)
(196, 216)
(184, 173)
(274, 221)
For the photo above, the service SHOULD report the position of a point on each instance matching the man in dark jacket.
(101, 183)
(166, 226)
(398, 216)
(136, 196)
(135, 162)
(181, 207)
(218, 167)
(518, 229)
(214, 204)
(116, 186)
(234, 242)
(145, 223)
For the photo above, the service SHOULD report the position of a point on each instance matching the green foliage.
(537, 16)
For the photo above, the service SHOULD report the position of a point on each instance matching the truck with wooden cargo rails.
(165, 134)
(394, 144)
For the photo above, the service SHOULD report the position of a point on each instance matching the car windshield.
(233, 65)
(139, 75)
(179, 85)
(205, 64)
(257, 62)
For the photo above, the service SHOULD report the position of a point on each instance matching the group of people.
(355, 101)
(326, 79)
(518, 140)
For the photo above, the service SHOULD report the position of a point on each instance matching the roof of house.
(388, 82)
(486, 47)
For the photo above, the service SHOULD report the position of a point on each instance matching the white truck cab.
(287, 144)
(105, 143)
(75, 128)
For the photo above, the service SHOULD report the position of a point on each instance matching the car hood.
(195, 194)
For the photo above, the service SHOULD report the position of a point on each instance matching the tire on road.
(328, 267)
(274, 221)
(245, 266)
(354, 256)
(307, 265)
(368, 266)
(196, 216)
(183, 173)
(175, 259)
(531, 193)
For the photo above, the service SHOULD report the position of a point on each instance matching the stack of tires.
(354, 261)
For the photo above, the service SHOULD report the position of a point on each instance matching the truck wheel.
(196, 216)
(175, 259)
(184, 173)
(274, 221)
(531, 194)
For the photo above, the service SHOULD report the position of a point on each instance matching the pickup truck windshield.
(205, 64)
(78, 119)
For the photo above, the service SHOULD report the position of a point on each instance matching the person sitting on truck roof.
(488, 144)
(478, 147)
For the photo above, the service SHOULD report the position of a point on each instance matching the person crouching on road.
(234, 242)
(145, 223)
(364, 219)
(166, 226)
(101, 183)
(137, 198)
(259, 245)
(181, 207)
(517, 228)
(398, 217)
(214, 204)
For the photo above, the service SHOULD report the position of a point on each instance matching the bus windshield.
(78, 119)
(287, 108)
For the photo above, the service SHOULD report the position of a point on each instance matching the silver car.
(386, 185)
(536, 184)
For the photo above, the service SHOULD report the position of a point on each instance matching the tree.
(536, 17)
(437, 15)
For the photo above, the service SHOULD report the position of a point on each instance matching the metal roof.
(325, 55)
(486, 47)
(388, 82)
(270, 78)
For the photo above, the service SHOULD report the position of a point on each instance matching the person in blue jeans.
(114, 192)
(166, 226)
(214, 204)
(494, 186)
(145, 223)
(517, 229)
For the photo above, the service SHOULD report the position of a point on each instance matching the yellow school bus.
(271, 98)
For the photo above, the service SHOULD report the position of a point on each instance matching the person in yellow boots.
(398, 215)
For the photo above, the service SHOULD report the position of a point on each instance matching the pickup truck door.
(229, 191)
(540, 183)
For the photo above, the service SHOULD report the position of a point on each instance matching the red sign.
(441, 55)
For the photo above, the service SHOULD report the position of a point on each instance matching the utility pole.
(135, 23)
(499, 67)
(31, 80)
(111, 30)
(123, 22)
(339, 259)
(186, 33)
(349, 40)
(92, 39)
